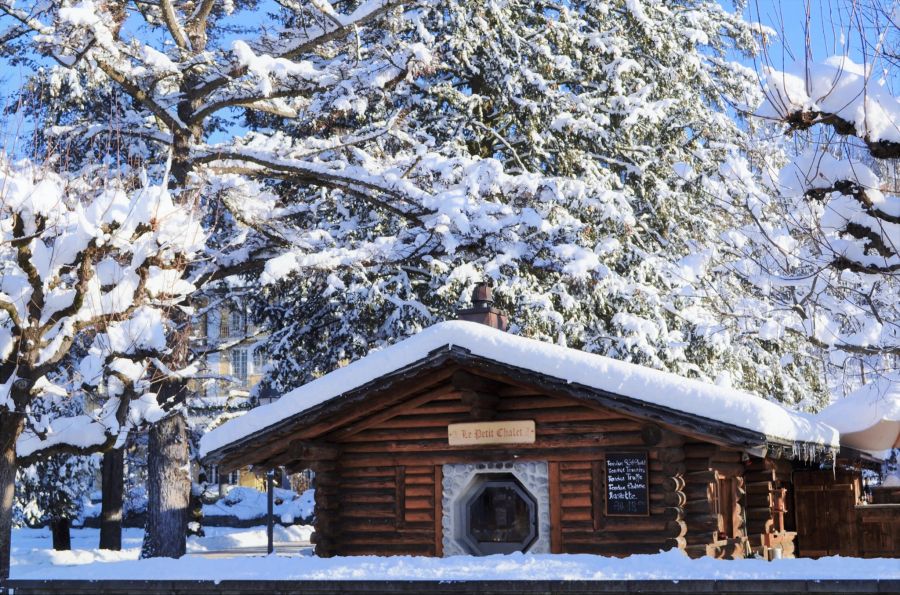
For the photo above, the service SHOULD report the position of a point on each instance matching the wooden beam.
(393, 411)
(555, 508)
(439, 511)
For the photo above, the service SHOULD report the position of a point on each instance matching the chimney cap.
(483, 309)
(482, 295)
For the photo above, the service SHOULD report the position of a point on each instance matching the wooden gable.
(418, 391)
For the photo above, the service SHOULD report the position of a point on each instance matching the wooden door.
(824, 505)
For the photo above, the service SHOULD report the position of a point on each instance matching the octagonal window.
(500, 515)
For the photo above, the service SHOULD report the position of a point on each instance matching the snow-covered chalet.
(465, 439)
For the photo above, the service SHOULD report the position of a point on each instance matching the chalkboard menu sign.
(626, 484)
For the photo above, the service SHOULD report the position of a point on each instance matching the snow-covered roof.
(868, 418)
(701, 399)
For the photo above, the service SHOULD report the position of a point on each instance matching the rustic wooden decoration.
(627, 484)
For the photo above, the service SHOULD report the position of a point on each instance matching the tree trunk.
(113, 486)
(11, 425)
(62, 538)
(169, 488)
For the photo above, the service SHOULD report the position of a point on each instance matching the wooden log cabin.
(465, 439)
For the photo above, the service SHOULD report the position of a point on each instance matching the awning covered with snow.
(868, 419)
(755, 424)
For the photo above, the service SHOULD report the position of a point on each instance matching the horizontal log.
(368, 512)
(412, 516)
(674, 454)
(699, 491)
(470, 454)
(577, 514)
(543, 402)
(414, 420)
(671, 513)
(439, 407)
(574, 475)
(617, 549)
(570, 488)
(353, 498)
(701, 538)
(569, 501)
(368, 483)
(381, 471)
(420, 480)
(622, 439)
(673, 484)
(419, 490)
(698, 506)
(613, 537)
(642, 524)
(379, 526)
(669, 469)
(604, 425)
(384, 549)
(693, 464)
(697, 450)
(419, 503)
(675, 499)
(565, 466)
(699, 477)
(758, 476)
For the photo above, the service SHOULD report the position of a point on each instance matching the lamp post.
(270, 507)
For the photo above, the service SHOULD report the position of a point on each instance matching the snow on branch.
(82, 260)
(839, 93)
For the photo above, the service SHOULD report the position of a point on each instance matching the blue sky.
(829, 25)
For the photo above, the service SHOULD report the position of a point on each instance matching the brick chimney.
(483, 309)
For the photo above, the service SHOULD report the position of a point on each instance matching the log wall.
(387, 478)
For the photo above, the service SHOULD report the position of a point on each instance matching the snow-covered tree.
(823, 241)
(52, 492)
(620, 114)
(53, 489)
(80, 258)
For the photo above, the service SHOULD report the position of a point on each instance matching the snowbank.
(247, 503)
(672, 565)
(652, 386)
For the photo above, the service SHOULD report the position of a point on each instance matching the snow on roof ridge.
(657, 387)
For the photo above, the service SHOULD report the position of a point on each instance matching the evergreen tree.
(621, 115)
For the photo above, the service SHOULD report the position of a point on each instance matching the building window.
(239, 364)
(224, 327)
(237, 323)
(259, 360)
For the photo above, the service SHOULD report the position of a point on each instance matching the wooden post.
(555, 509)
(270, 510)
(438, 511)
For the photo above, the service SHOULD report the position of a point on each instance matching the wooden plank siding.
(378, 515)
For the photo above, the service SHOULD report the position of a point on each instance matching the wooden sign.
(491, 432)
(627, 488)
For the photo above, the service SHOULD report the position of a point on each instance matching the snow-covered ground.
(33, 558)
(33, 555)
